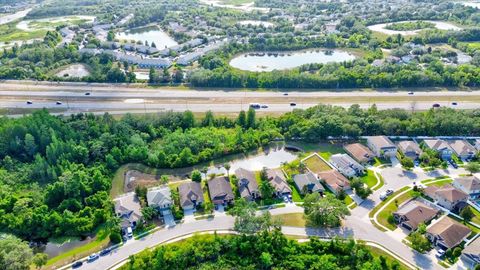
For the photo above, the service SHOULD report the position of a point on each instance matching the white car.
(439, 253)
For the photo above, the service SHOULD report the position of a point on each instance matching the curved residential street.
(357, 225)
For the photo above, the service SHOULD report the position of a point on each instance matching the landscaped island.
(407, 26)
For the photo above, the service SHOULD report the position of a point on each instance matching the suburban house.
(347, 165)
(190, 194)
(128, 209)
(247, 184)
(220, 190)
(279, 182)
(411, 213)
(447, 196)
(359, 152)
(471, 253)
(334, 180)
(409, 149)
(446, 233)
(469, 185)
(160, 198)
(463, 149)
(308, 183)
(441, 146)
(382, 146)
(477, 144)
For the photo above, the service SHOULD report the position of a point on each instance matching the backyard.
(316, 164)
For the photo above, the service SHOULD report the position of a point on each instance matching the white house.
(346, 165)
(160, 198)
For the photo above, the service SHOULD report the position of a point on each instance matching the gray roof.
(437, 144)
(409, 147)
(128, 208)
(278, 181)
(159, 196)
(344, 161)
(381, 142)
(220, 189)
(469, 183)
(462, 147)
(190, 193)
(309, 181)
(247, 184)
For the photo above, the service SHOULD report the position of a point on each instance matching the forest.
(55, 172)
(265, 250)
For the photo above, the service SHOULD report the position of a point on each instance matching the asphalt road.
(122, 98)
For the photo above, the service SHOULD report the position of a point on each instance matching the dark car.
(77, 264)
(105, 252)
(293, 104)
(29, 102)
(436, 105)
(454, 103)
(410, 93)
(58, 103)
(87, 94)
(454, 164)
(285, 94)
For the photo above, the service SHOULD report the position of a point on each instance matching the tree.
(164, 179)
(241, 120)
(227, 167)
(419, 242)
(209, 119)
(324, 212)
(115, 237)
(178, 75)
(467, 213)
(149, 213)
(266, 190)
(111, 35)
(407, 163)
(14, 254)
(40, 259)
(473, 167)
(246, 220)
(196, 176)
(251, 118)
(152, 76)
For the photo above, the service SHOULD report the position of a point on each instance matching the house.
(334, 180)
(247, 184)
(307, 183)
(128, 209)
(347, 165)
(359, 152)
(411, 213)
(160, 198)
(440, 146)
(382, 146)
(220, 190)
(469, 185)
(463, 149)
(446, 233)
(477, 144)
(409, 149)
(447, 196)
(471, 253)
(190, 194)
(277, 179)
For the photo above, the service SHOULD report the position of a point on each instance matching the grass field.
(293, 219)
(369, 179)
(316, 164)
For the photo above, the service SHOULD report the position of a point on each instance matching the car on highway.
(29, 102)
(87, 94)
(454, 103)
(410, 93)
(264, 106)
(255, 105)
(77, 264)
(436, 105)
(293, 104)
(285, 94)
(58, 102)
(92, 257)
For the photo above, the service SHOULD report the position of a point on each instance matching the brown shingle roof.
(220, 189)
(381, 141)
(359, 152)
(448, 192)
(461, 147)
(278, 181)
(334, 179)
(451, 232)
(409, 146)
(416, 212)
(190, 193)
(469, 183)
(247, 184)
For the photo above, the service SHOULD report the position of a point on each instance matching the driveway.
(188, 215)
(168, 218)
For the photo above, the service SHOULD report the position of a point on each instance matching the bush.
(391, 219)
(115, 237)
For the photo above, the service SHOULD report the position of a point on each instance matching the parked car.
(454, 164)
(105, 252)
(285, 199)
(77, 264)
(389, 192)
(385, 194)
(92, 257)
(129, 232)
(439, 253)
(29, 102)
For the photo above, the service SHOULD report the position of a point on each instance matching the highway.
(119, 99)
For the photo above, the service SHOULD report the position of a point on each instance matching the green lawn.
(316, 164)
(380, 161)
(370, 180)
(292, 219)
(476, 218)
(376, 252)
(391, 207)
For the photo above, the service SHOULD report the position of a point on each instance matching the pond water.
(54, 248)
(256, 23)
(151, 34)
(441, 25)
(288, 60)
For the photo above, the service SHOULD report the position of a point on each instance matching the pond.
(287, 60)
(151, 34)
(441, 25)
(256, 23)
(56, 247)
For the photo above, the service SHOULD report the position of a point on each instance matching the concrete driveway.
(168, 218)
